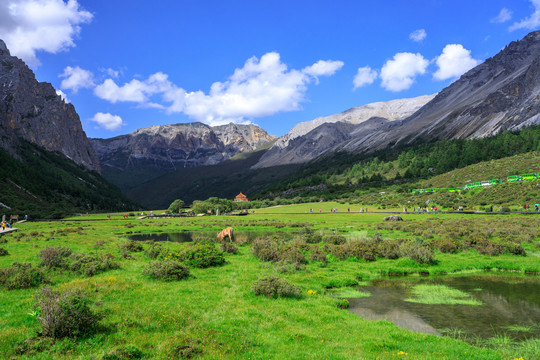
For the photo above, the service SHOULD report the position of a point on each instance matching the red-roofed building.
(241, 197)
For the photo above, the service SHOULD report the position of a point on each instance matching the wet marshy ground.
(505, 306)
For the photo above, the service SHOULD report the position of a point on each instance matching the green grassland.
(214, 313)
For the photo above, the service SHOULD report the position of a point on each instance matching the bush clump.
(274, 287)
(228, 248)
(154, 251)
(3, 252)
(90, 264)
(334, 239)
(21, 276)
(342, 303)
(201, 255)
(446, 245)
(418, 251)
(131, 246)
(265, 249)
(65, 314)
(55, 257)
(167, 270)
(365, 249)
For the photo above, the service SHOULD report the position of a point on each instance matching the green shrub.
(167, 270)
(3, 252)
(364, 249)
(418, 251)
(342, 303)
(334, 239)
(337, 251)
(388, 248)
(489, 247)
(90, 264)
(318, 255)
(446, 245)
(201, 255)
(228, 248)
(274, 287)
(131, 246)
(55, 257)
(65, 314)
(293, 255)
(513, 248)
(154, 251)
(21, 276)
(265, 249)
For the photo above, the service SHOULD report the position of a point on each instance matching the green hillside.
(42, 184)
(224, 180)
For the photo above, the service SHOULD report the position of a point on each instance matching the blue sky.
(132, 64)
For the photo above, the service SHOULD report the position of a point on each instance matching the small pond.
(174, 237)
(485, 306)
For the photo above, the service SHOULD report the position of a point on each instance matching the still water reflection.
(510, 306)
(174, 237)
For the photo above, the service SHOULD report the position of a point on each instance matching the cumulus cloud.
(453, 62)
(76, 78)
(323, 68)
(261, 87)
(418, 35)
(504, 16)
(135, 90)
(28, 26)
(399, 73)
(364, 76)
(530, 23)
(63, 96)
(108, 121)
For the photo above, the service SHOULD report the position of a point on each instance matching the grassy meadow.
(215, 314)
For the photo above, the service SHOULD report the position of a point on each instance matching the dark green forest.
(341, 174)
(43, 184)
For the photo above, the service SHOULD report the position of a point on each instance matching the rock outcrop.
(32, 110)
(310, 139)
(150, 152)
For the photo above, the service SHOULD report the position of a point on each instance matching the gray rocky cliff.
(310, 139)
(157, 150)
(32, 110)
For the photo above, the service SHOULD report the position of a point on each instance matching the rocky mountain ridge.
(156, 150)
(502, 93)
(32, 110)
(307, 140)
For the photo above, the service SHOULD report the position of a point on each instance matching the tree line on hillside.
(403, 164)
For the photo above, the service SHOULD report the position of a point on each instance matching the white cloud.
(504, 16)
(28, 26)
(530, 23)
(76, 78)
(108, 121)
(399, 73)
(261, 87)
(364, 76)
(453, 62)
(63, 96)
(418, 35)
(111, 72)
(323, 68)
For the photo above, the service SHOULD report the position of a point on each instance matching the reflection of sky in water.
(506, 301)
